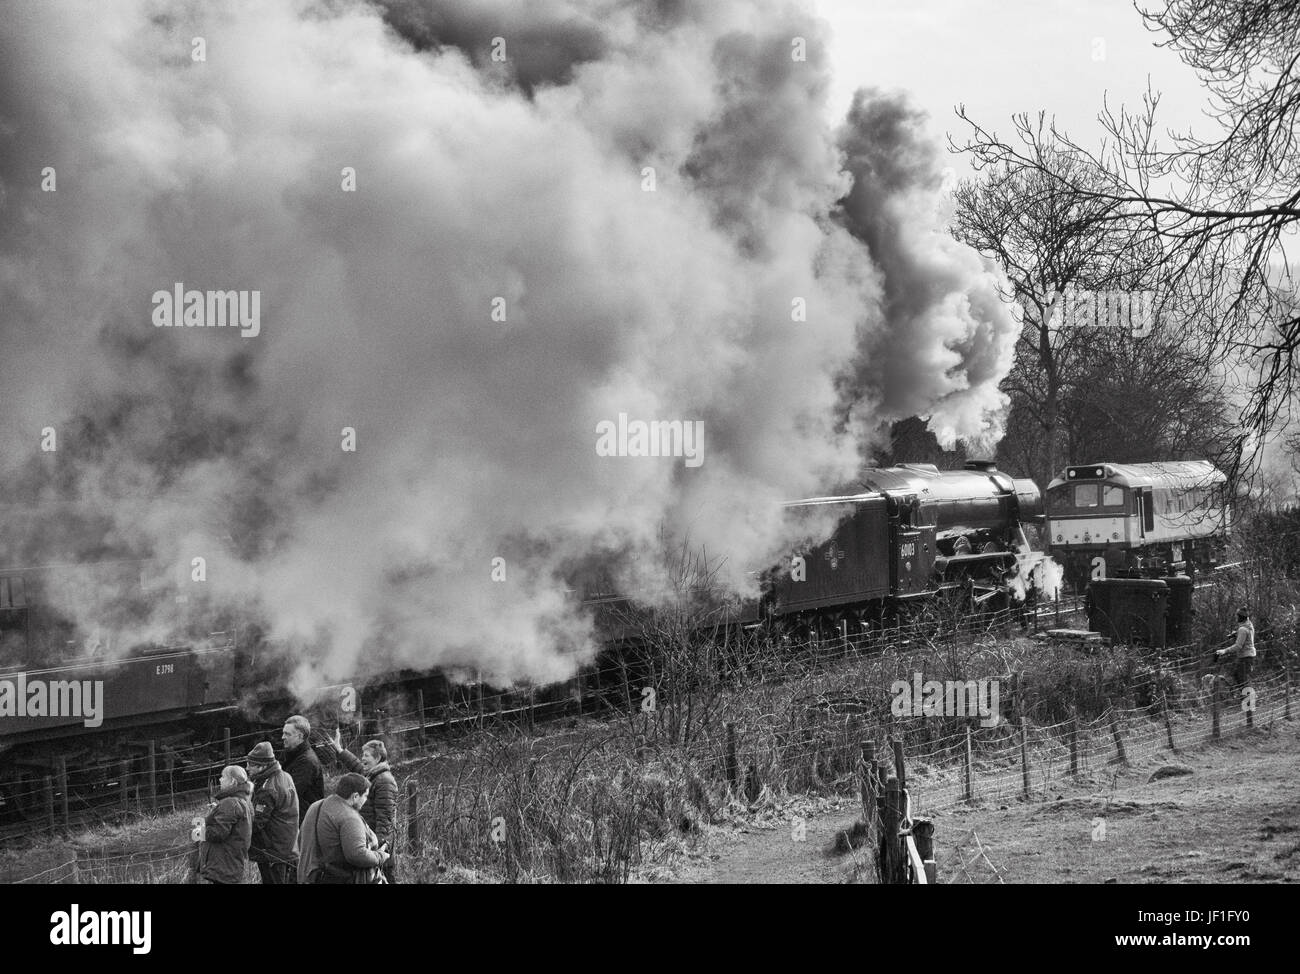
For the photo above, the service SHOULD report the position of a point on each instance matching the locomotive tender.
(1114, 519)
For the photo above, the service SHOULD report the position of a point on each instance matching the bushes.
(513, 810)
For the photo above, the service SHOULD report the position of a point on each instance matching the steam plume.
(476, 179)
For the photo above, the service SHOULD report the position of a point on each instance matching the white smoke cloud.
(476, 180)
(1037, 570)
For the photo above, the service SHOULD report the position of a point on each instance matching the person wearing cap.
(380, 810)
(275, 817)
(337, 846)
(1244, 648)
(227, 831)
(302, 764)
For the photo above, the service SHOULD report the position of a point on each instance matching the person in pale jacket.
(227, 831)
(1244, 647)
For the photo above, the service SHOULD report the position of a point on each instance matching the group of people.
(276, 814)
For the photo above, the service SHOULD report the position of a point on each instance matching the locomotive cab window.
(1085, 495)
(1112, 496)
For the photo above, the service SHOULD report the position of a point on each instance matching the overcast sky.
(1000, 57)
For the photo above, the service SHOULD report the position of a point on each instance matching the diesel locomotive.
(1107, 520)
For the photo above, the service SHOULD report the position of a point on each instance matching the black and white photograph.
(506, 443)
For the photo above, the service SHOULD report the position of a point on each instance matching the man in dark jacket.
(380, 810)
(302, 764)
(228, 828)
(275, 818)
(335, 838)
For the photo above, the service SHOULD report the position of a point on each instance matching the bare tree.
(1219, 212)
(1047, 240)
(1132, 400)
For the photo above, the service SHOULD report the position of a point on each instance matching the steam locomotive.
(912, 533)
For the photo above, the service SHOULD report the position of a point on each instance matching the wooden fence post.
(891, 817)
(62, 768)
(1019, 711)
(871, 804)
(225, 740)
(412, 822)
(153, 775)
(1119, 740)
(923, 836)
(1169, 726)
(970, 795)
(1214, 711)
(900, 769)
(732, 769)
(1024, 759)
(123, 784)
(49, 802)
(1074, 743)
(419, 705)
